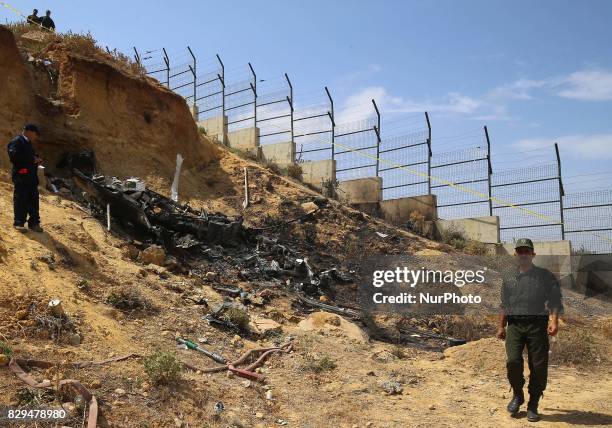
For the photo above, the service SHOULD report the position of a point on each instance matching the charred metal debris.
(194, 237)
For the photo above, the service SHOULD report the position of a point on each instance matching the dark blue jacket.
(22, 156)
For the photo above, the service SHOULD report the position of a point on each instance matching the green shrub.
(321, 365)
(6, 350)
(237, 317)
(294, 171)
(163, 368)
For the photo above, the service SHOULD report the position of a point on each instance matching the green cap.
(524, 242)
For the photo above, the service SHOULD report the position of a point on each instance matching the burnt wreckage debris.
(195, 235)
(167, 222)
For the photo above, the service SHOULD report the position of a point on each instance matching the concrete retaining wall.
(317, 172)
(482, 229)
(280, 153)
(215, 127)
(361, 190)
(246, 139)
(397, 211)
(552, 255)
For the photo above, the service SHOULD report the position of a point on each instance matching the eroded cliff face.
(134, 125)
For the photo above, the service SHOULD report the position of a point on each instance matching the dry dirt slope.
(466, 389)
(77, 261)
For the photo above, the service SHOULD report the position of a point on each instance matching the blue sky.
(533, 72)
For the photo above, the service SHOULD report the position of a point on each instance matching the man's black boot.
(517, 399)
(532, 409)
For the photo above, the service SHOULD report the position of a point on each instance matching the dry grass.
(320, 365)
(466, 327)
(82, 44)
(129, 299)
(295, 171)
(576, 346)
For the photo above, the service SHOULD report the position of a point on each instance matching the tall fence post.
(561, 192)
(429, 153)
(136, 56)
(194, 72)
(489, 170)
(222, 80)
(167, 61)
(332, 118)
(254, 88)
(290, 100)
(377, 130)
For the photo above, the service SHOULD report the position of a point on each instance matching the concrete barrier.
(361, 191)
(552, 255)
(592, 275)
(282, 154)
(482, 229)
(246, 140)
(215, 127)
(397, 211)
(317, 172)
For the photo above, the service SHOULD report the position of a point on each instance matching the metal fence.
(412, 151)
(538, 189)
(588, 221)
(275, 111)
(241, 99)
(210, 85)
(471, 168)
(314, 128)
(357, 146)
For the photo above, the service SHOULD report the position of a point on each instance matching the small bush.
(128, 299)
(237, 317)
(329, 188)
(575, 346)
(453, 237)
(318, 366)
(162, 368)
(416, 223)
(295, 171)
(273, 167)
(6, 350)
(476, 248)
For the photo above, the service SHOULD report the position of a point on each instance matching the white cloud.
(584, 85)
(598, 146)
(359, 105)
(517, 90)
(587, 85)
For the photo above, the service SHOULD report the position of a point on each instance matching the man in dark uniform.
(25, 178)
(47, 22)
(34, 19)
(530, 307)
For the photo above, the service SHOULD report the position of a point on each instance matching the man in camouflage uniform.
(530, 306)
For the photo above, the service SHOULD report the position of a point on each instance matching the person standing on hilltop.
(34, 19)
(530, 307)
(47, 22)
(25, 178)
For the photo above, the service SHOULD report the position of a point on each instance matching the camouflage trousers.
(533, 334)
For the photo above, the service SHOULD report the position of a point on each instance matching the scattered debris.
(248, 372)
(55, 308)
(246, 202)
(392, 387)
(175, 181)
(66, 387)
(191, 345)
